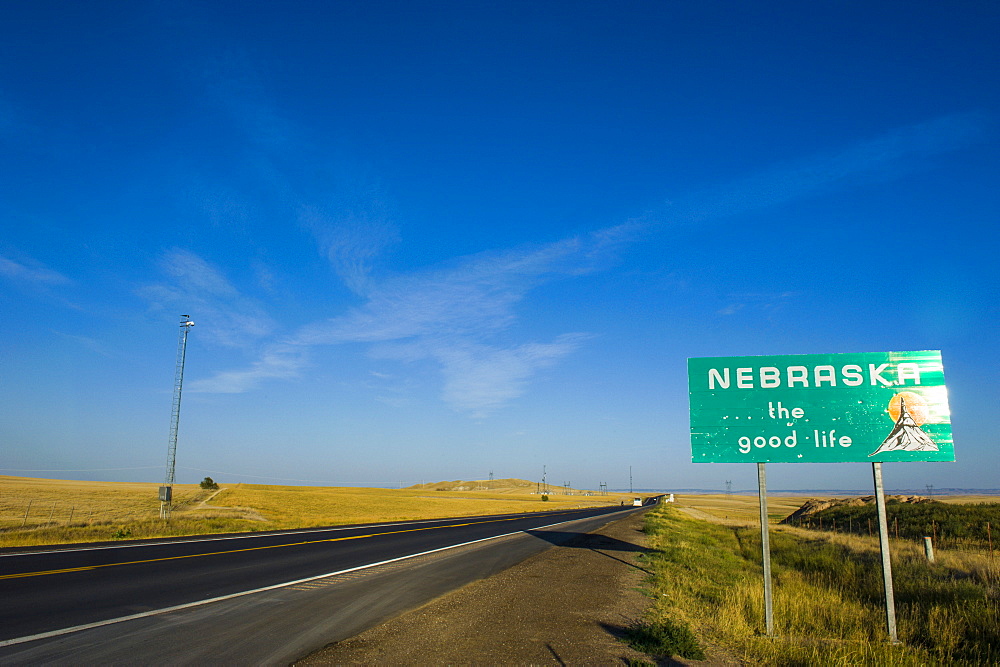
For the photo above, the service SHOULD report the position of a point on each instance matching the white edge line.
(165, 610)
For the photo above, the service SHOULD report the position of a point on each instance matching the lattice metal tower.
(167, 490)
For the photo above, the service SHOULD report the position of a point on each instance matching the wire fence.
(40, 513)
(940, 539)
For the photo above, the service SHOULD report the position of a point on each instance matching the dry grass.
(36, 502)
(739, 507)
(42, 511)
(827, 597)
(293, 506)
(966, 500)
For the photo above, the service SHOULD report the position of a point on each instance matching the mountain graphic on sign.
(906, 436)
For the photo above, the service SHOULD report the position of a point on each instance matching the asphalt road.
(253, 598)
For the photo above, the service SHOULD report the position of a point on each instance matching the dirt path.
(244, 512)
(204, 503)
(567, 605)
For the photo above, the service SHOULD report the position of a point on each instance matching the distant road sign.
(820, 408)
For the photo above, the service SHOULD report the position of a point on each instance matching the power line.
(76, 469)
(280, 479)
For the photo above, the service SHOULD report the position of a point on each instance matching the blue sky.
(434, 240)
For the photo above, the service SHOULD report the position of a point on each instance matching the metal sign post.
(765, 547)
(883, 541)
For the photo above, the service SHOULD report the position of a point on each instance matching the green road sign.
(820, 408)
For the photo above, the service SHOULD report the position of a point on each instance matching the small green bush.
(545, 498)
(122, 533)
(665, 638)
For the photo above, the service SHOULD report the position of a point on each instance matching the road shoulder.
(567, 605)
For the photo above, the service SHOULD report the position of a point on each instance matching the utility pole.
(729, 487)
(630, 480)
(167, 490)
(545, 488)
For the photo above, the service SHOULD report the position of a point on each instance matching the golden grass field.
(45, 511)
(736, 507)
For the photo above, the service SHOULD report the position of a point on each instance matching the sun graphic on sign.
(916, 406)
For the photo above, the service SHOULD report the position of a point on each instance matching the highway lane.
(49, 591)
(279, 625)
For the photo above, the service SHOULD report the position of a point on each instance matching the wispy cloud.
(893, 155)
(198, 288)
(479, 378)
(352, 239)
(767, 302)
(279, 361)
(475, 295)
(451, 314)
(28, 271)
(482, 378)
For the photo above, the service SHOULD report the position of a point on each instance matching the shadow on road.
(600, 544)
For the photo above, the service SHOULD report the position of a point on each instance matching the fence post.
(51, 512)
(26, 510)
(928, 549)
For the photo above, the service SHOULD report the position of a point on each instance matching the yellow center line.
(234, 551)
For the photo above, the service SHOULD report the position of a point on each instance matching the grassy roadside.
(37, 512)
(828, 604)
